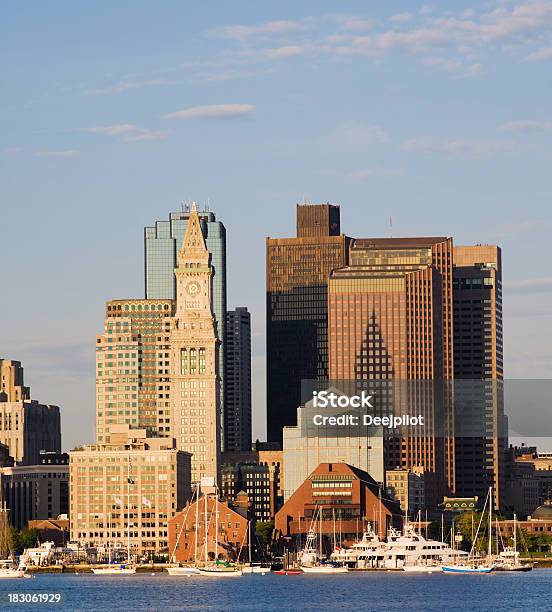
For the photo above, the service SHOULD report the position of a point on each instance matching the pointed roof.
(193, 246)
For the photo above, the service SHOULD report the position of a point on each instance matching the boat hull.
(422, 569)
(324, 569)
(117, 571)
(452, 569)
(220, 573)
(182, 571)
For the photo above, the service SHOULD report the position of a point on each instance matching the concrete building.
(193, 371)
(12, 388)
(390, 319)
(163, 242)
(237, 396)
(306, 446)
(132, 363)
(347, 498)
(134, 481)
(27, 427)
(481, 432)
(35, 492)
(407, 487)
(297, 272)
(193, 531)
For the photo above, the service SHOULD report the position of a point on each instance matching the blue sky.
(112, 114)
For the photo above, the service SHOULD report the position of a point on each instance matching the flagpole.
(128, 508)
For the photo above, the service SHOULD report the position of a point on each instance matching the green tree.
(24, 538)
(265, 529)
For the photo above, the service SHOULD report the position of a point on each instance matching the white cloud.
(126, 86)
(126, 132)
(243, 32)
(469, 148)
(473, 70)
(401, 17)
(354, 24)
(541, 54)
(63, 153)
(527, 125)
(213, 111)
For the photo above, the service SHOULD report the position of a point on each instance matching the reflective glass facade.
(162, 242)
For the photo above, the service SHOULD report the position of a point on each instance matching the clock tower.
(194, 380)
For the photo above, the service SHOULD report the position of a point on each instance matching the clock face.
(193, 288)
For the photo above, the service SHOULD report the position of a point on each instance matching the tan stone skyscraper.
(195, 401)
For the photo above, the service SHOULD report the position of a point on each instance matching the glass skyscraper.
(162, 242)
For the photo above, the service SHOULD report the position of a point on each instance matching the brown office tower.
(297, 271)
(480, 424)
(390, 319)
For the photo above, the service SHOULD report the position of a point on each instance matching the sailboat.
(128, 567)
(508, 560)
(218, 569)
(8, 567)
(250, 568)
(186, 570)
(474, 565)
(310, 557)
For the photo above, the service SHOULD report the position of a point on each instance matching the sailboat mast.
(206, 540)
(128, 508)
(196, 523)
(216, 525)
(515, 535)
(490, 521)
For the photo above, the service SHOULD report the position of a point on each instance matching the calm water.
(354, 592)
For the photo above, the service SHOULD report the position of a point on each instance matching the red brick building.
(185, 542)
(347, 499)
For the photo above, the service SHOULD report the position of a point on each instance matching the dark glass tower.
(297, 271)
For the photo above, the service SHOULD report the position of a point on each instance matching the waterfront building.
(26, 426)
(306, 446)
(407, 487)
(135, 481)
(132, 367)
(348, 498)
(258, 473)
(162, 243)
(33, 492)
(297, 272)
(193, 345)
(193, 531)
(237, 395)
(481, 433)
(539, 522)
(54, 530)
(541, 472)
(390, 319)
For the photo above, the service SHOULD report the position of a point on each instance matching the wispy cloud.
(527, 125)
(243, 32)
(530, 285)
(402, 17)
(126, 132)
(229, 75)
(62, 153)
(275, 53)
(469, 148)
(541, 54)
(213, 111)
(123, 86)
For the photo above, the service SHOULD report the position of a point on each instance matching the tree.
(24, 538)
(265, 530)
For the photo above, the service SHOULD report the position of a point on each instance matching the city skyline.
(235, 112)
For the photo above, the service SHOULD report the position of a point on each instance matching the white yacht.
(366, 548)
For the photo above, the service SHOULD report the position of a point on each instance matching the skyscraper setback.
(390, 318)
(297, 271)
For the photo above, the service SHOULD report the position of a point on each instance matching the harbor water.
(393, 591)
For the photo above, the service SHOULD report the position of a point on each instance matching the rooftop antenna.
(208, 205)
(390, 227)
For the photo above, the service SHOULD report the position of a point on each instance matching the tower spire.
(194, 249)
